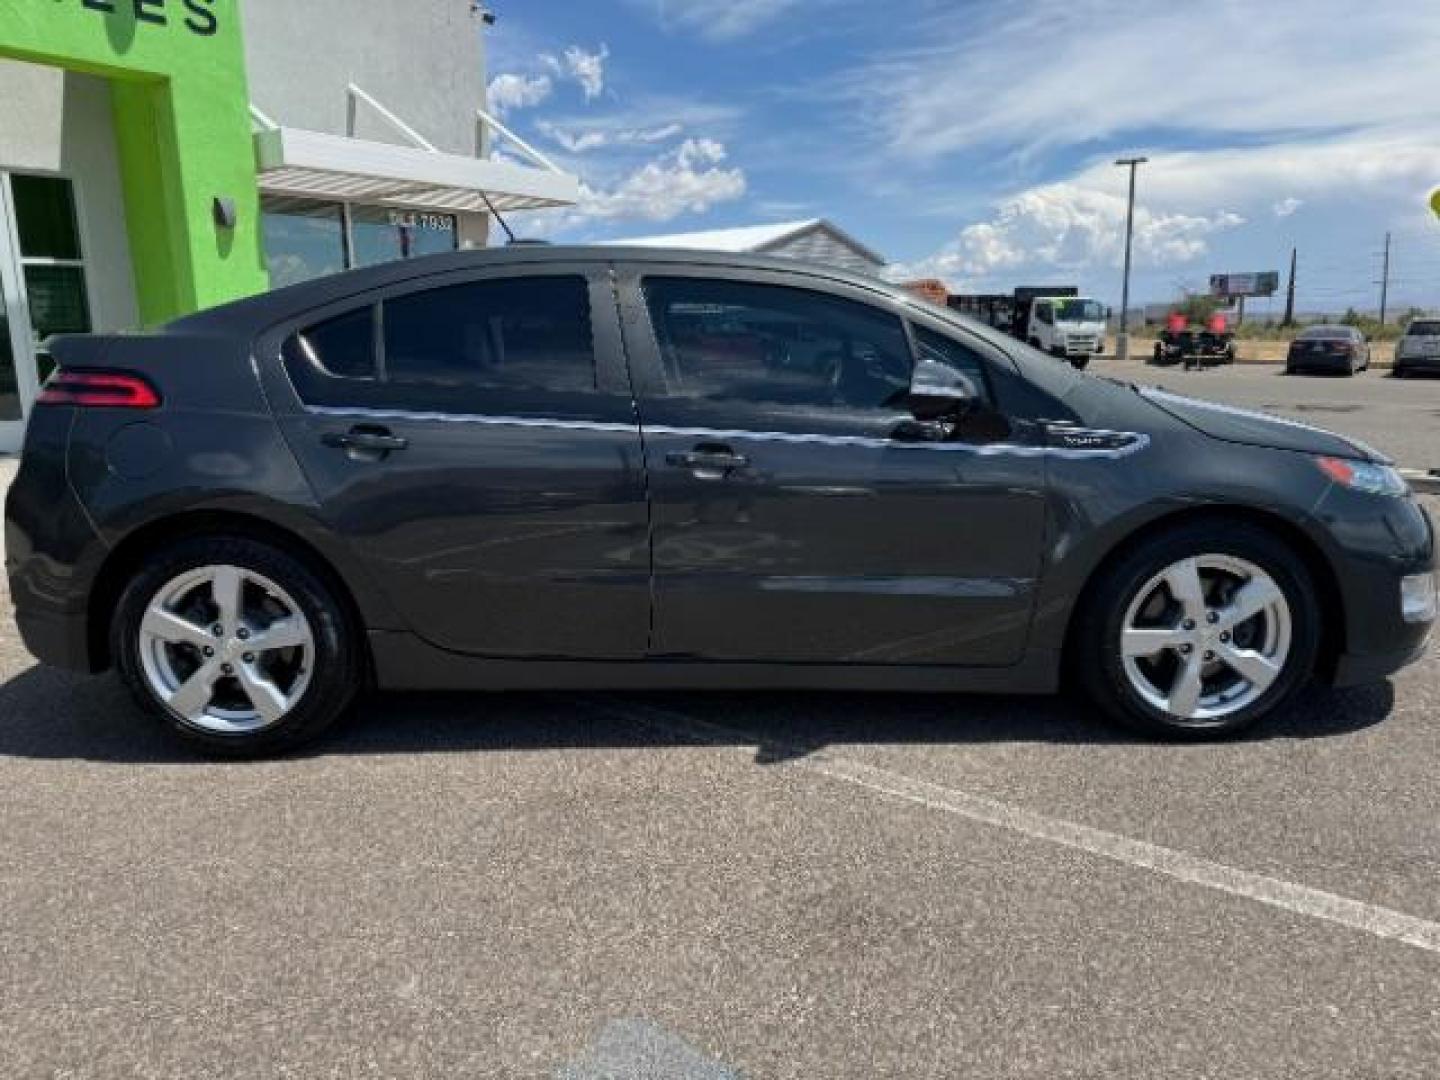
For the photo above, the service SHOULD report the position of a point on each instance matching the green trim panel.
(182, 129)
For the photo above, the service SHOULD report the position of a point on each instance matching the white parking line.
(1371, 919)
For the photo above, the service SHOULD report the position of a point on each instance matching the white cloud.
(507, 92)
(1069, 227)
(689, 179)
(581, 66)
(722, 20)
(579, 142)
(1185, 201)
(1109, 68)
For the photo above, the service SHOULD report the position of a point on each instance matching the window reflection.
(383, 235)
(304, 239)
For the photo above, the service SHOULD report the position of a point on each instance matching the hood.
(1257, 428)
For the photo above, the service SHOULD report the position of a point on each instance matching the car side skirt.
(404, 662)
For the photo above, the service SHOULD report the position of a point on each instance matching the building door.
(42, 288)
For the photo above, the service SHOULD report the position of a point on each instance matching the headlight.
(1363, 476)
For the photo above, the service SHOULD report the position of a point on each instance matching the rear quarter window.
(343, 346)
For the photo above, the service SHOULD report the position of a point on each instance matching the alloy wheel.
(1206, 637)
(226, 649)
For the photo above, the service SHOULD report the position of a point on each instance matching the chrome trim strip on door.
(1138, 441)
(360, 413)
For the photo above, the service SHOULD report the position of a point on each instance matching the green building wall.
(182, 129)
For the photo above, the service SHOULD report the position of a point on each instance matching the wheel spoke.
(191, 697)
(174, 629)
(226, 587)
(284, 633)
(1183, 580)
(1253, 597)
(1255, 667)
(1184, 698)
(269, 701)
(1149, 640)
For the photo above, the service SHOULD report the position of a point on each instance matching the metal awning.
(316, 165)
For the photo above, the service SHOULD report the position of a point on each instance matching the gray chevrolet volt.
(552, 468)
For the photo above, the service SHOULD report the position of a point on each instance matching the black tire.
(338, 663)
(1080, 363)
(1098, 665)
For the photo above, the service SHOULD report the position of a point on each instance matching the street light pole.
(1122, 340)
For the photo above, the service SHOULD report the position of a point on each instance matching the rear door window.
(507, 346)
(518, 334)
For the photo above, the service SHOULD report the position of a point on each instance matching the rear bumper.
(1320, 363)
(61, 639)
(51, 548)
(1430, 364)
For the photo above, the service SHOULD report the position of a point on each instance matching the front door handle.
(365, 441)
(708, 459)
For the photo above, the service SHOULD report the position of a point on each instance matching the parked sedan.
(1340, 349)
(1418, 349)
(550, 468)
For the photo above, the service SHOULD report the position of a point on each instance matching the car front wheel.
(236, 646)
(1201, 631)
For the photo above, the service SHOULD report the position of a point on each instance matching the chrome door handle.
(708, 460)
(373, 440)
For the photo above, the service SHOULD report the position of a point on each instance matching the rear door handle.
(703, 459)
(373, 440)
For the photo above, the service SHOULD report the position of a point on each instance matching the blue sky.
(973, 140)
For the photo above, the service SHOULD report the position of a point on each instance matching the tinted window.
(521, 334)
(1424, 329)
(769, 344)
(343, 346)
(943, 350)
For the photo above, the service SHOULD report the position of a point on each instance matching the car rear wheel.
(1200, 632)
(236, 646)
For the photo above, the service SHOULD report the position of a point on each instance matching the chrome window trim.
(1139, 441)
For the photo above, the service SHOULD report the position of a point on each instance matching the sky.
(974, 140)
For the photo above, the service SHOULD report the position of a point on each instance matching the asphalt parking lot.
(1399, 416)
(711, 886)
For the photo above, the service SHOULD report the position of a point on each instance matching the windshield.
(1428, 328)
(1079, 311)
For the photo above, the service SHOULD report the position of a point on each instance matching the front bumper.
(1383, 542)
(1357, 670)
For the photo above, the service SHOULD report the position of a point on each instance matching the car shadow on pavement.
(54, 715)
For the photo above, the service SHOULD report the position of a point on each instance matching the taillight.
(114, 389)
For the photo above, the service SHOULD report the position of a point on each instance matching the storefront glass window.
(9, 390)
(304, 239)
(381, 234)
(52, 274)
(45, 217)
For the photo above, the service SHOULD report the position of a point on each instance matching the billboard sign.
(1231, 286)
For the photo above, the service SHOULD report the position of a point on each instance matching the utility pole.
(1290, 294)
(1385, 280)
(1122, 340)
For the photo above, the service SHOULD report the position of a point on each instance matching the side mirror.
(938, 390)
